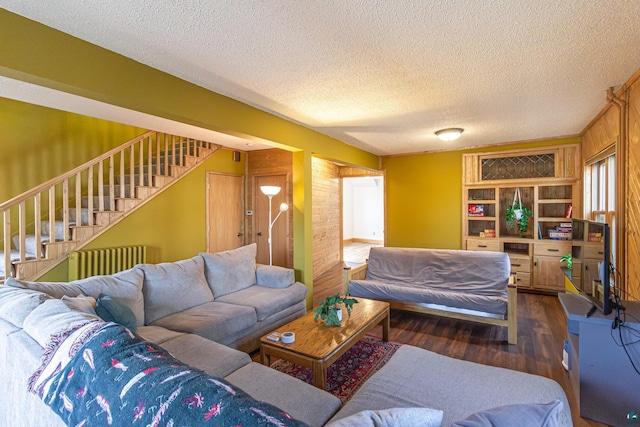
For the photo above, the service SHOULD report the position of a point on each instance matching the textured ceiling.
(381, 75)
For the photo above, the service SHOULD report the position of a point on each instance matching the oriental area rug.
(351, 370)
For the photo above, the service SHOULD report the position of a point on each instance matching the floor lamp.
(270, 191)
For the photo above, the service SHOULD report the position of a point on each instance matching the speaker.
(236, 156)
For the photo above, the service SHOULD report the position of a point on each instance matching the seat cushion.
(230, 271)
(211, 320)
(156, 334)
(302, 401)
(266, 301)
(208, 356)
(171, 287)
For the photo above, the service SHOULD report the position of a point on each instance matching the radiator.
(94, 262)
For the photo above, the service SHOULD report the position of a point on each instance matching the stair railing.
(100, 181)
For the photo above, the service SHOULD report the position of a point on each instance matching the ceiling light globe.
(449, 134)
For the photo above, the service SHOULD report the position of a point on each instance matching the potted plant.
(518, 212)
(328, 309)
(568, 258)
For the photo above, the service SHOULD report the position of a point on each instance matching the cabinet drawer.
(594, 251)
(552, 249)
(520, 264)
(523, 280)
(483, 245)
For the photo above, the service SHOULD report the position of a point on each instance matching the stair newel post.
(65, 209)
(37, 218)
(90, 195)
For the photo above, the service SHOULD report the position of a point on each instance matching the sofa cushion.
(211, 320)
(157, 334)
(83, 303)
(273, 276)
(302, 401)
(53, 317)
(230, 271)
(171, 287)
(266, 301)
(125, 285)
(405, 417)
(208, 356)
(111, 310)
(522, 415)
(17, 304)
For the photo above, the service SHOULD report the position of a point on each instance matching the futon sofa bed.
(470, 285)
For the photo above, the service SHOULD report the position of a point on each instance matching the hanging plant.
(517, 212)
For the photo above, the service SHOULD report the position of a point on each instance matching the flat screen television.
(592, 273)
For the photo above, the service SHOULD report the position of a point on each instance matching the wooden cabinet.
(547, 265)
(549, 184)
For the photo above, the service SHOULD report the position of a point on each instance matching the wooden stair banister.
(90, 198)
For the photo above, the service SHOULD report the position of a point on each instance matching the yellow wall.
(424, 196)
(39, 143)
(173, 224)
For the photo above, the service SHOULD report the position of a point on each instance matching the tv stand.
(602, 378)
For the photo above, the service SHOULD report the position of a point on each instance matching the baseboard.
(373, 242)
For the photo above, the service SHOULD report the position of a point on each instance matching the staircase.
(41, 226)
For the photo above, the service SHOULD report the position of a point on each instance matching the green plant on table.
(327, 310)
(568, 258)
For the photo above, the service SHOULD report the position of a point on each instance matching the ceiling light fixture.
(449, 134)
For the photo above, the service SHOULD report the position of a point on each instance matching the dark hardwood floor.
(542, 329)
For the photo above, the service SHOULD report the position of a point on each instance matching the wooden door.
(547, 273)
(224, 212)
(280, 230)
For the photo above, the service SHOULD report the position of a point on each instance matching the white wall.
(363, 208)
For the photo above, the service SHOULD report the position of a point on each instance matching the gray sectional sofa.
(205, 310)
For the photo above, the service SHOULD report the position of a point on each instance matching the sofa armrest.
(353, 273)
(273, 276)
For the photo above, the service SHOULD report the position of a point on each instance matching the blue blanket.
(103, 374)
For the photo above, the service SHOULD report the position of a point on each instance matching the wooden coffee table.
(317, 346)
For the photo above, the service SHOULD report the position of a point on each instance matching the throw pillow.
(522, 415)
(111, 310)
(82, 303)
(230, 271)
(405, 417)
(272, 276)
(171, 287)
(16, 304)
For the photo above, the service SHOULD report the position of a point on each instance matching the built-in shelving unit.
(550, 186)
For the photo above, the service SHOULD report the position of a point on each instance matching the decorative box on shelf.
(476, 210)
(488, 233)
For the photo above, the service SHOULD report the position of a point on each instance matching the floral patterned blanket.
(101, 374)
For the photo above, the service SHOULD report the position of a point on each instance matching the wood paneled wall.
(265, 163)
(326, 215)
(600, 134)
(633, 193)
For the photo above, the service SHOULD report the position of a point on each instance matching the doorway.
(363, 217)
(225, 220)
(280, 229)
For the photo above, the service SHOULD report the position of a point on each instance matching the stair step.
(96, 199)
